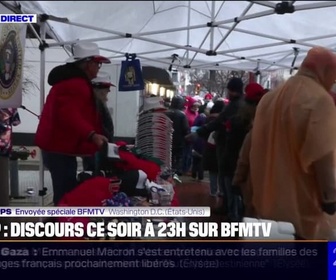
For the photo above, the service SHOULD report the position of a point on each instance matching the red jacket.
(68, 117)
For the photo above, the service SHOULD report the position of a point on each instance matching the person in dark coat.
(236, 129)
(198, 147)
(235, 89)
(209, 156)
(181, 129)
(101, 87)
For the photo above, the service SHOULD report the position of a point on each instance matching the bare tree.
(214, 81)
(29, 86)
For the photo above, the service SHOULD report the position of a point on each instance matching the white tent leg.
(188, 32)
(42, 97)
(212, 28)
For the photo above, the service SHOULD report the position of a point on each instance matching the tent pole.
(279, 60)
(212, 28)
(134, 36)
(261, 60)
(318, 5)
(252, 56)
(219, 9)
(252, 16)
(254, 47)
(206, 36)
(139, 56)
(188, 31)
(35, 33)
(42, 97)
(299, 42)
(233, 27)
(258, 74)
(202, 43)
(288, 41)
(122, 54)
(108, 38)
(264, 3)
(122, 34)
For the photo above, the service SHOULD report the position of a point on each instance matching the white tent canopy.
(246, 35)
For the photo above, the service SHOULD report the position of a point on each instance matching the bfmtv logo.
(5, 212)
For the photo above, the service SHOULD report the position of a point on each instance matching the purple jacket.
(200, 143)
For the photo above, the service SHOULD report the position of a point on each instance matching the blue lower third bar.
(331, 260)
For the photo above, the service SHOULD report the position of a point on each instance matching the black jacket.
(235, 135)
(180, 126)
(180, 122)
(218, 124)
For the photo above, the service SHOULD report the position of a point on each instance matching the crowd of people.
(276, 149)
(270, 154)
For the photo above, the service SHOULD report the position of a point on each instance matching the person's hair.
(98, 95)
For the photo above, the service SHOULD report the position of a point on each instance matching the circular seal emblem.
(10, 60)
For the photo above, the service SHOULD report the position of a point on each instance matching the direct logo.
(10, 60)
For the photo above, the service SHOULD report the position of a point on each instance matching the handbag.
(131, 78)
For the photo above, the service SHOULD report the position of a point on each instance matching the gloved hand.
(329, 208)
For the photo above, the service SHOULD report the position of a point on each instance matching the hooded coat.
(69, 114)
(293, 145)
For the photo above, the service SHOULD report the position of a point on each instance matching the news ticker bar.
(267, 260)
(105, 212)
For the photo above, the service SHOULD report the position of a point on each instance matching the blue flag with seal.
(131, 74)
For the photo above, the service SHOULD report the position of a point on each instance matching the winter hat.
(254, 92)
(103, 80)
(235, 84)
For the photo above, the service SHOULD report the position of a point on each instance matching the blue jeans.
(63, 171)
(187, 158)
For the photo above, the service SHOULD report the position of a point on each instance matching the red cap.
(254, 92)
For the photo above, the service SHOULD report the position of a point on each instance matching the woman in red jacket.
(70, 125)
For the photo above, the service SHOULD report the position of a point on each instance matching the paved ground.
(29, 187)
